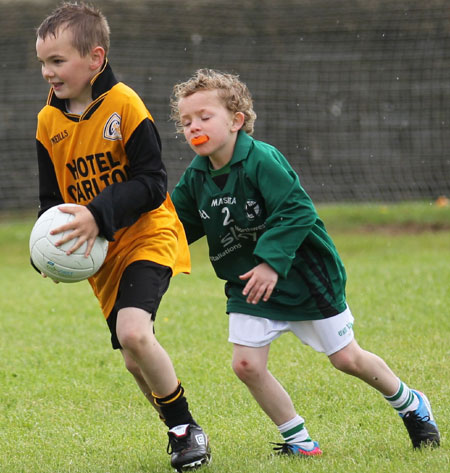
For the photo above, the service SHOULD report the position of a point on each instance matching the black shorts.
(142, 285)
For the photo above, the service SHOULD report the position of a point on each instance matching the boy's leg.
(135, 333)
(250, 365)
(141, 288)
(334, 336)
(367, 366)
(189, 444)
(134, 369)
(413, 406)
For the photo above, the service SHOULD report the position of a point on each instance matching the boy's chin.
(60, 94)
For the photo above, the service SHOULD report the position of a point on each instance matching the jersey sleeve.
(291, 213)
(121, 204)
(49, 193)
(187, 209)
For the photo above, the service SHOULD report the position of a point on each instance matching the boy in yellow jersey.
(97, 146)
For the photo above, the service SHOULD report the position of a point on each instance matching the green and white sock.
(294, 432)
(403, 400)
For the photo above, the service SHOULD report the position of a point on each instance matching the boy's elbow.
(159, 196)
(151, 192)
(159, 188)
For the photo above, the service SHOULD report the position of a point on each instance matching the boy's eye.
(185, 124)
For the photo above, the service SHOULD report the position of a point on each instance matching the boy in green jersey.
(281, 268)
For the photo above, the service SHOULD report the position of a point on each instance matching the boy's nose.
(47, 72)
(195, 126)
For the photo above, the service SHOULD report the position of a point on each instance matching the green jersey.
(263, 214)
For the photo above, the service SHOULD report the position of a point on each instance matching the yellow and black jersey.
(109, 159)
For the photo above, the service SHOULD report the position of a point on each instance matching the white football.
(53, 261)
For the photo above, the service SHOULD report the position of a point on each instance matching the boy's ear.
(238, 121)
(97, 57)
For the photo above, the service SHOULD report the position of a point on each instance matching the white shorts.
(326, 335)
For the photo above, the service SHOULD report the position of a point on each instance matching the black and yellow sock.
(174, 408)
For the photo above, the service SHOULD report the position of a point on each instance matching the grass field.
(67, 405)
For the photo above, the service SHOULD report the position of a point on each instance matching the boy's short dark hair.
(87, 23)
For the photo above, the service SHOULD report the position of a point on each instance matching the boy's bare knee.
(346, 361)
(342, 363)
(134, 329)
(132, 340)
(244, 369)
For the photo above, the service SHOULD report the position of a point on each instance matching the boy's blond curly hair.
(233, 92)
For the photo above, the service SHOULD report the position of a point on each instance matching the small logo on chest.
(112, 128)
(252, 209)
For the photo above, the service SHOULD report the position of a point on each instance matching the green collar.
(218, 172)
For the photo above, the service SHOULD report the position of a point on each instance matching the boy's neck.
(219, 162)
(221, 158)
(78, 106)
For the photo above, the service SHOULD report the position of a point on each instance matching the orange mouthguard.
(199, 140)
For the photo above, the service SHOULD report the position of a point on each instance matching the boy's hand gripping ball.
(52, 260)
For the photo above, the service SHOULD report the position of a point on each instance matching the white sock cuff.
(290, 424)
